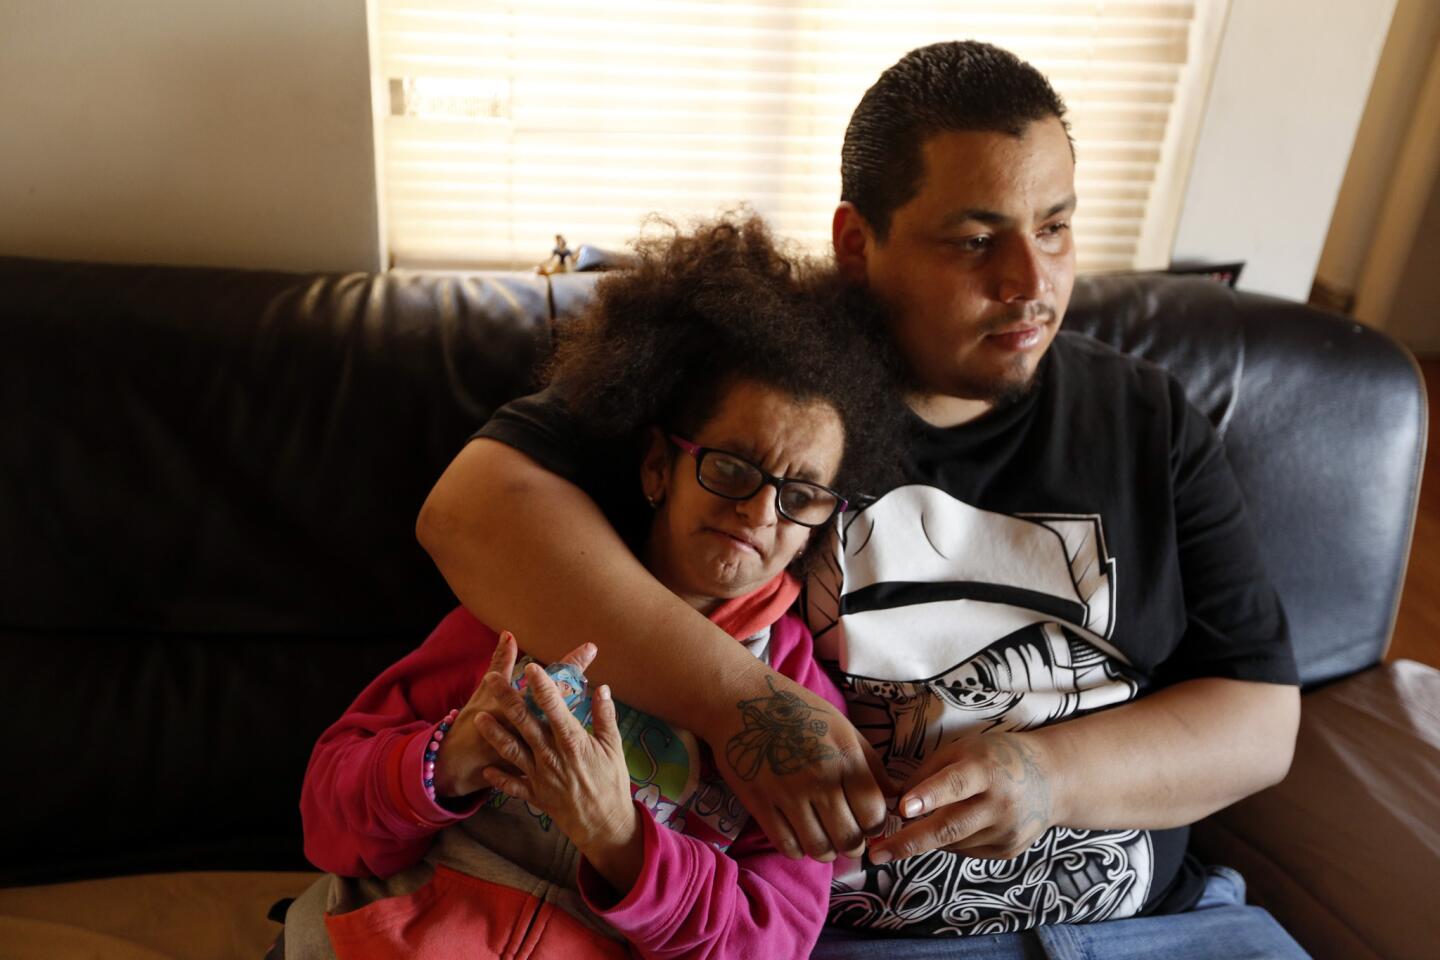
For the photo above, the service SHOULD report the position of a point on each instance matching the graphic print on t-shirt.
(955, 621)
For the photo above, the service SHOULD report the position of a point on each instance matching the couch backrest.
(208, 488)
(1324, 424)
(209, 481)
(235, 451)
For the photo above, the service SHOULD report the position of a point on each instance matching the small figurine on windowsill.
(559, 260)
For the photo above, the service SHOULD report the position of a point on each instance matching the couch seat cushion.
(158, 916)
(1345, 852)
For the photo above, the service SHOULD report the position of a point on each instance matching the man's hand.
(808, 778)
(982, 796)
(465, 752)
(1155, 763)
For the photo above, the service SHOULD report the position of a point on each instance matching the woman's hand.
(464, 753)
(580, 780)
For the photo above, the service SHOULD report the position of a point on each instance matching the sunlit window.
(507, 123)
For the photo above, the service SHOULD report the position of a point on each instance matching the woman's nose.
(759, 510)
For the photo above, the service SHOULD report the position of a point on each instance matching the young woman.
(737, 392)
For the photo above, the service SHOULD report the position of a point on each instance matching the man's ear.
(852, 238)
(655, 467)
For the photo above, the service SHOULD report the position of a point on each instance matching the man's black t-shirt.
(1071, 551)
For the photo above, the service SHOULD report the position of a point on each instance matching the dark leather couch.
(208, 487)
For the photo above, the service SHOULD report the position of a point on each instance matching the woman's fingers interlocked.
(510, 706)
(569, 736)
(578, 779)
(605, 722)
(502, 661)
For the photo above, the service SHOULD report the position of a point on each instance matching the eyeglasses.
(735, 478)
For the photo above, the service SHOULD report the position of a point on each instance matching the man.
(1056, 633)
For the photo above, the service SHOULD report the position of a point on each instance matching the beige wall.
(1288, 92)
(1414, 315)
(208, 132)
(230, 133)
(1396, 286)
(1414, 32)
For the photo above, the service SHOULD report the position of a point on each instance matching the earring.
(654, 502)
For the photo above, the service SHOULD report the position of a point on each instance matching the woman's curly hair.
(699, 310)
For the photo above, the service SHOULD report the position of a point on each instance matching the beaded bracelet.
(432, 750)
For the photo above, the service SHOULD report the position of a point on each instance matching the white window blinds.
(503, 124)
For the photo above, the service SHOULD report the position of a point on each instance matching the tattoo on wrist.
(1017, 761)
(781, 731)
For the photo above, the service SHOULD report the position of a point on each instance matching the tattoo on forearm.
(1016, 760)
(780, 731)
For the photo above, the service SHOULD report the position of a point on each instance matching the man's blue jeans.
(1220, 927)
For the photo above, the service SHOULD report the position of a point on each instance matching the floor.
(1417, 628)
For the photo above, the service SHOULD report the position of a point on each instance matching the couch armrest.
(1345, 852)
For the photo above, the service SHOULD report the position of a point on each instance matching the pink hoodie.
(366, 813)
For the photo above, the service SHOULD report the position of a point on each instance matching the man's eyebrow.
(1064, 206)
(995, 219)
(978, 214)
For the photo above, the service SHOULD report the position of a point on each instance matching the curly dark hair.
(941, 88)
(663, 339)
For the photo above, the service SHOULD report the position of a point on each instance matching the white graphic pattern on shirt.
(955, 622)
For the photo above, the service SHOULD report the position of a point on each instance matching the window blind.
(503, 124)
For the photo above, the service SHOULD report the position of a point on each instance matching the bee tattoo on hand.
(780, 731)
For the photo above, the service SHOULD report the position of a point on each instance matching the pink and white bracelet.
(432, 750)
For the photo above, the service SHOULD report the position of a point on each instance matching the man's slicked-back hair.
(946, 87)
